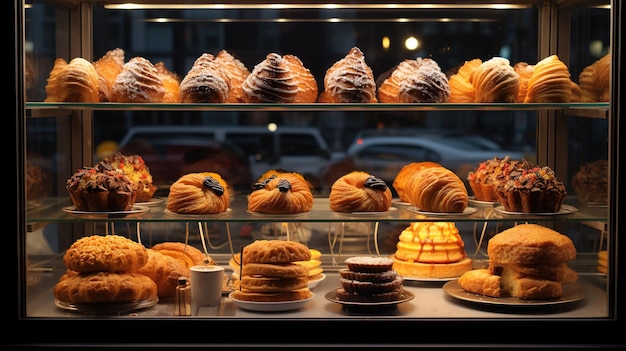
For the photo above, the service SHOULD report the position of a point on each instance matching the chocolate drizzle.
(212, 184)
(375, 183)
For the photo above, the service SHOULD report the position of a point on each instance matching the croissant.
(236, 71)
(307, 85)
(164, 271)
(461, 89)
(495, 80)
(76, 81)
(283, 193)
(594, 80)
(271, 80)
(414, 81)
(139, 82)
(437, 189)
(199, 193)
(405, 173)
(205, 82)
(359, 191)
(171, 83)
(349, 80)
(524, 70)
(108, 67)
(550, 82)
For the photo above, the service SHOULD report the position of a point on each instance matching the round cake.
(431, 250)
(369, 279)
(101, 189)
(136, 169)
(533, 190)
(590, 183)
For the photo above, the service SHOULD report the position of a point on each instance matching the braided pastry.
(199, 193)
(437, 189)
(282, 193)
(359, 191)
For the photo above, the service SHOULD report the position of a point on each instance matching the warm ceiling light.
(134, 6)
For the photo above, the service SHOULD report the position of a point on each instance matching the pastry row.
(223, 78)
(526, 261)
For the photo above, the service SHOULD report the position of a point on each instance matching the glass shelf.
(52, 211)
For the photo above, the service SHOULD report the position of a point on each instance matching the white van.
(298, 149)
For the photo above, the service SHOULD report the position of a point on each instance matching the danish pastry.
(349, 80)
(199, 193)
(236, 71)
(139, 82)
(282, 193)
(271, 80)
(205, 82)
(359, 191)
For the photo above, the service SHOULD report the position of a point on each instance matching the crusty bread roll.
(437, 189)
(236, 71)
(282, 193)
(359, 191)
(205, 82)
(76, 81)
(139, 82)
(461, 89)
(185, 254)
(275, 252)
(495, 80)
(164, 271)
(480, 281)
(405, 173)
(307, 85)
(414, 81)
(349, 80)
(104, 287)
(108, 253)
(171, 83)
(199, 193)
(530, 244)
(271, 80)
(549, 82)
(108, 67)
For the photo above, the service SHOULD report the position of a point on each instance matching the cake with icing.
(431, 250)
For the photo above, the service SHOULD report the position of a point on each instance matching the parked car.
(298, 149)
(384, 156)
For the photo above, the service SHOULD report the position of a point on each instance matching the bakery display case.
(310, 124)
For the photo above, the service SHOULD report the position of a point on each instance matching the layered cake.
(432, 250)
(369, 279)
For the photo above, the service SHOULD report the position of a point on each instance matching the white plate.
(270, 306)
(565, 209)
(199, 216)
(571, 293)
(106, 308)
(475, 202)
(368, 213)
(155, 201)
(399, 202)
(427, 279)
(466, 212)
(313, 283)
(404, 297)
(277, 215)
(136, 211)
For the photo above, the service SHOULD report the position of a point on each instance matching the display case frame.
(251, 331)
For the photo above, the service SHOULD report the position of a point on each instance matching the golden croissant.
(550, 82)
(108, 67)
(76, 81)
(495, 80)
(437, 189)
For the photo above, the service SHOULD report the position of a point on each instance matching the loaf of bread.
(108, 253)
(164, 271)
(104, 287)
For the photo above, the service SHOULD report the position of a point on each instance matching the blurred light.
(411, 43)
(386, 42)
(595, 48)
(272, 127)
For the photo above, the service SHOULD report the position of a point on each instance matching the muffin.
(136, 169)
(101, 188)
(590, 183)
(533, 190)
(484, 179)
